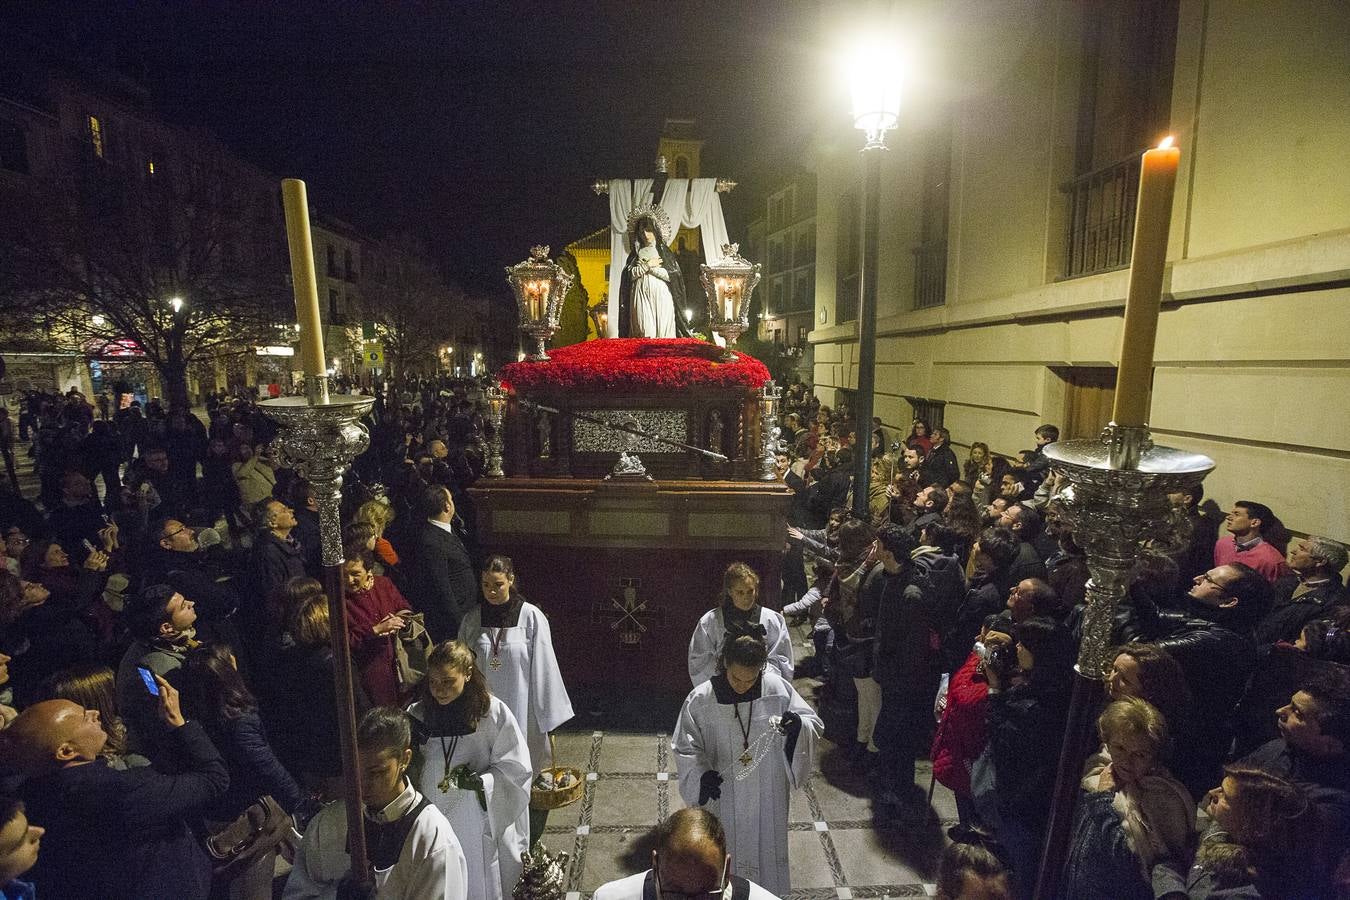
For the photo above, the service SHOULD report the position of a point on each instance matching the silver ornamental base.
(1115, 502)
(320, 435)
(319, 440)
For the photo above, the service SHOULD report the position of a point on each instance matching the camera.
(999, 658)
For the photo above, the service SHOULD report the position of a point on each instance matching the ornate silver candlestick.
(319, 440)
(1116, 503)
(496, 398)
(768, 398)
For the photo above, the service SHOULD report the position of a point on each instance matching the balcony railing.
(930, 274)
(1101, 218)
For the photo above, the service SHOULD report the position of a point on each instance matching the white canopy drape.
(689, 204)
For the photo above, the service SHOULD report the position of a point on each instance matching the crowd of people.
(167, 672)
(947, 622)
(171, 722)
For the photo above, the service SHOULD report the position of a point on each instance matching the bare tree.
(412, 307)
(181, 263)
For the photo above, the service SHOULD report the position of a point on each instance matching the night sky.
(478, 126)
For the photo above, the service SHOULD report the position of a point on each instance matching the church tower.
(680, 146)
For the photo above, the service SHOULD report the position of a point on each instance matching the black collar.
(726, 696)
(502, 615)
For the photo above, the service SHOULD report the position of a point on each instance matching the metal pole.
(1114, 509)
(867, 330)
(320, 435)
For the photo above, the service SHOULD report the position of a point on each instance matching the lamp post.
(874, 81)
(539, 285)
(729, 285)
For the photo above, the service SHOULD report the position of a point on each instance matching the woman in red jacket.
(960, 737)
(375, 614)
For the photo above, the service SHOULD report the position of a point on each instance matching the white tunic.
(528, 680)
(754, 811)
(630, 888)
(710, 631)
(653, 306)
(492, 840)
(430, 867)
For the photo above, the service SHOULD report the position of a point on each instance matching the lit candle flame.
(1166, 143)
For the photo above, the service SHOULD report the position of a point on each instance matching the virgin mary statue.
(651, 289)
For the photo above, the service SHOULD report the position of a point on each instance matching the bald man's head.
(54, 734)
(691, 851)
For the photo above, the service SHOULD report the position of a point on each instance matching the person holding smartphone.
(162, 623)
(113, 833)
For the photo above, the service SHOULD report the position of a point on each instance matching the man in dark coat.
(906, 668)
(940, 465)
(276, 558)
(1310, 593)
(174, 557)
(439, 577)
(1313, 751)
(114, 834)
(1212, 643)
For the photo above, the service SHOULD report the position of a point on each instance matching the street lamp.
(874, 82)
(177, 304)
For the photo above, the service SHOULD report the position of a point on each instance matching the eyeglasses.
(174, 533)
(666, 894)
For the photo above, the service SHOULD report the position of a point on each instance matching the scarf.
(502, 615)
(742, 621)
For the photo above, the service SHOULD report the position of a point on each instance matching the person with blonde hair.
(738, 612)
(475, 767)
(1134, 813)
(379, 514)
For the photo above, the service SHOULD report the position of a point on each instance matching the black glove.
(709, 787)
(791, 725)
(350, 890)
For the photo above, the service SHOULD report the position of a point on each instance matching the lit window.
(150, 167)
(96, 136)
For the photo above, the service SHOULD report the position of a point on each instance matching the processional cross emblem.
(629, 617)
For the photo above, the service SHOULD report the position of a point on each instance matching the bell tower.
(680, 147)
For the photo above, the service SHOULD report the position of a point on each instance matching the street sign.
(373, 355)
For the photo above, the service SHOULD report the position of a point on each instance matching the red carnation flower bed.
(636, 364)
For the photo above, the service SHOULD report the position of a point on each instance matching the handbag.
(259, 829)
(411, 646)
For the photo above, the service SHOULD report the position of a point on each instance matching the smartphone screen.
(149, 678)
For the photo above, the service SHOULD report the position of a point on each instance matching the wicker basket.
(558, 797)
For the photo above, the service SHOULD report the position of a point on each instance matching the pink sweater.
(1264, 558)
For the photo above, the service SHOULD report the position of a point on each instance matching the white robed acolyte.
(712, 629)
(737, 736)
(430, 864)
(522, 670)
(492, 838)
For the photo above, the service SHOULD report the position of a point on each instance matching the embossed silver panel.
(671, 424)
